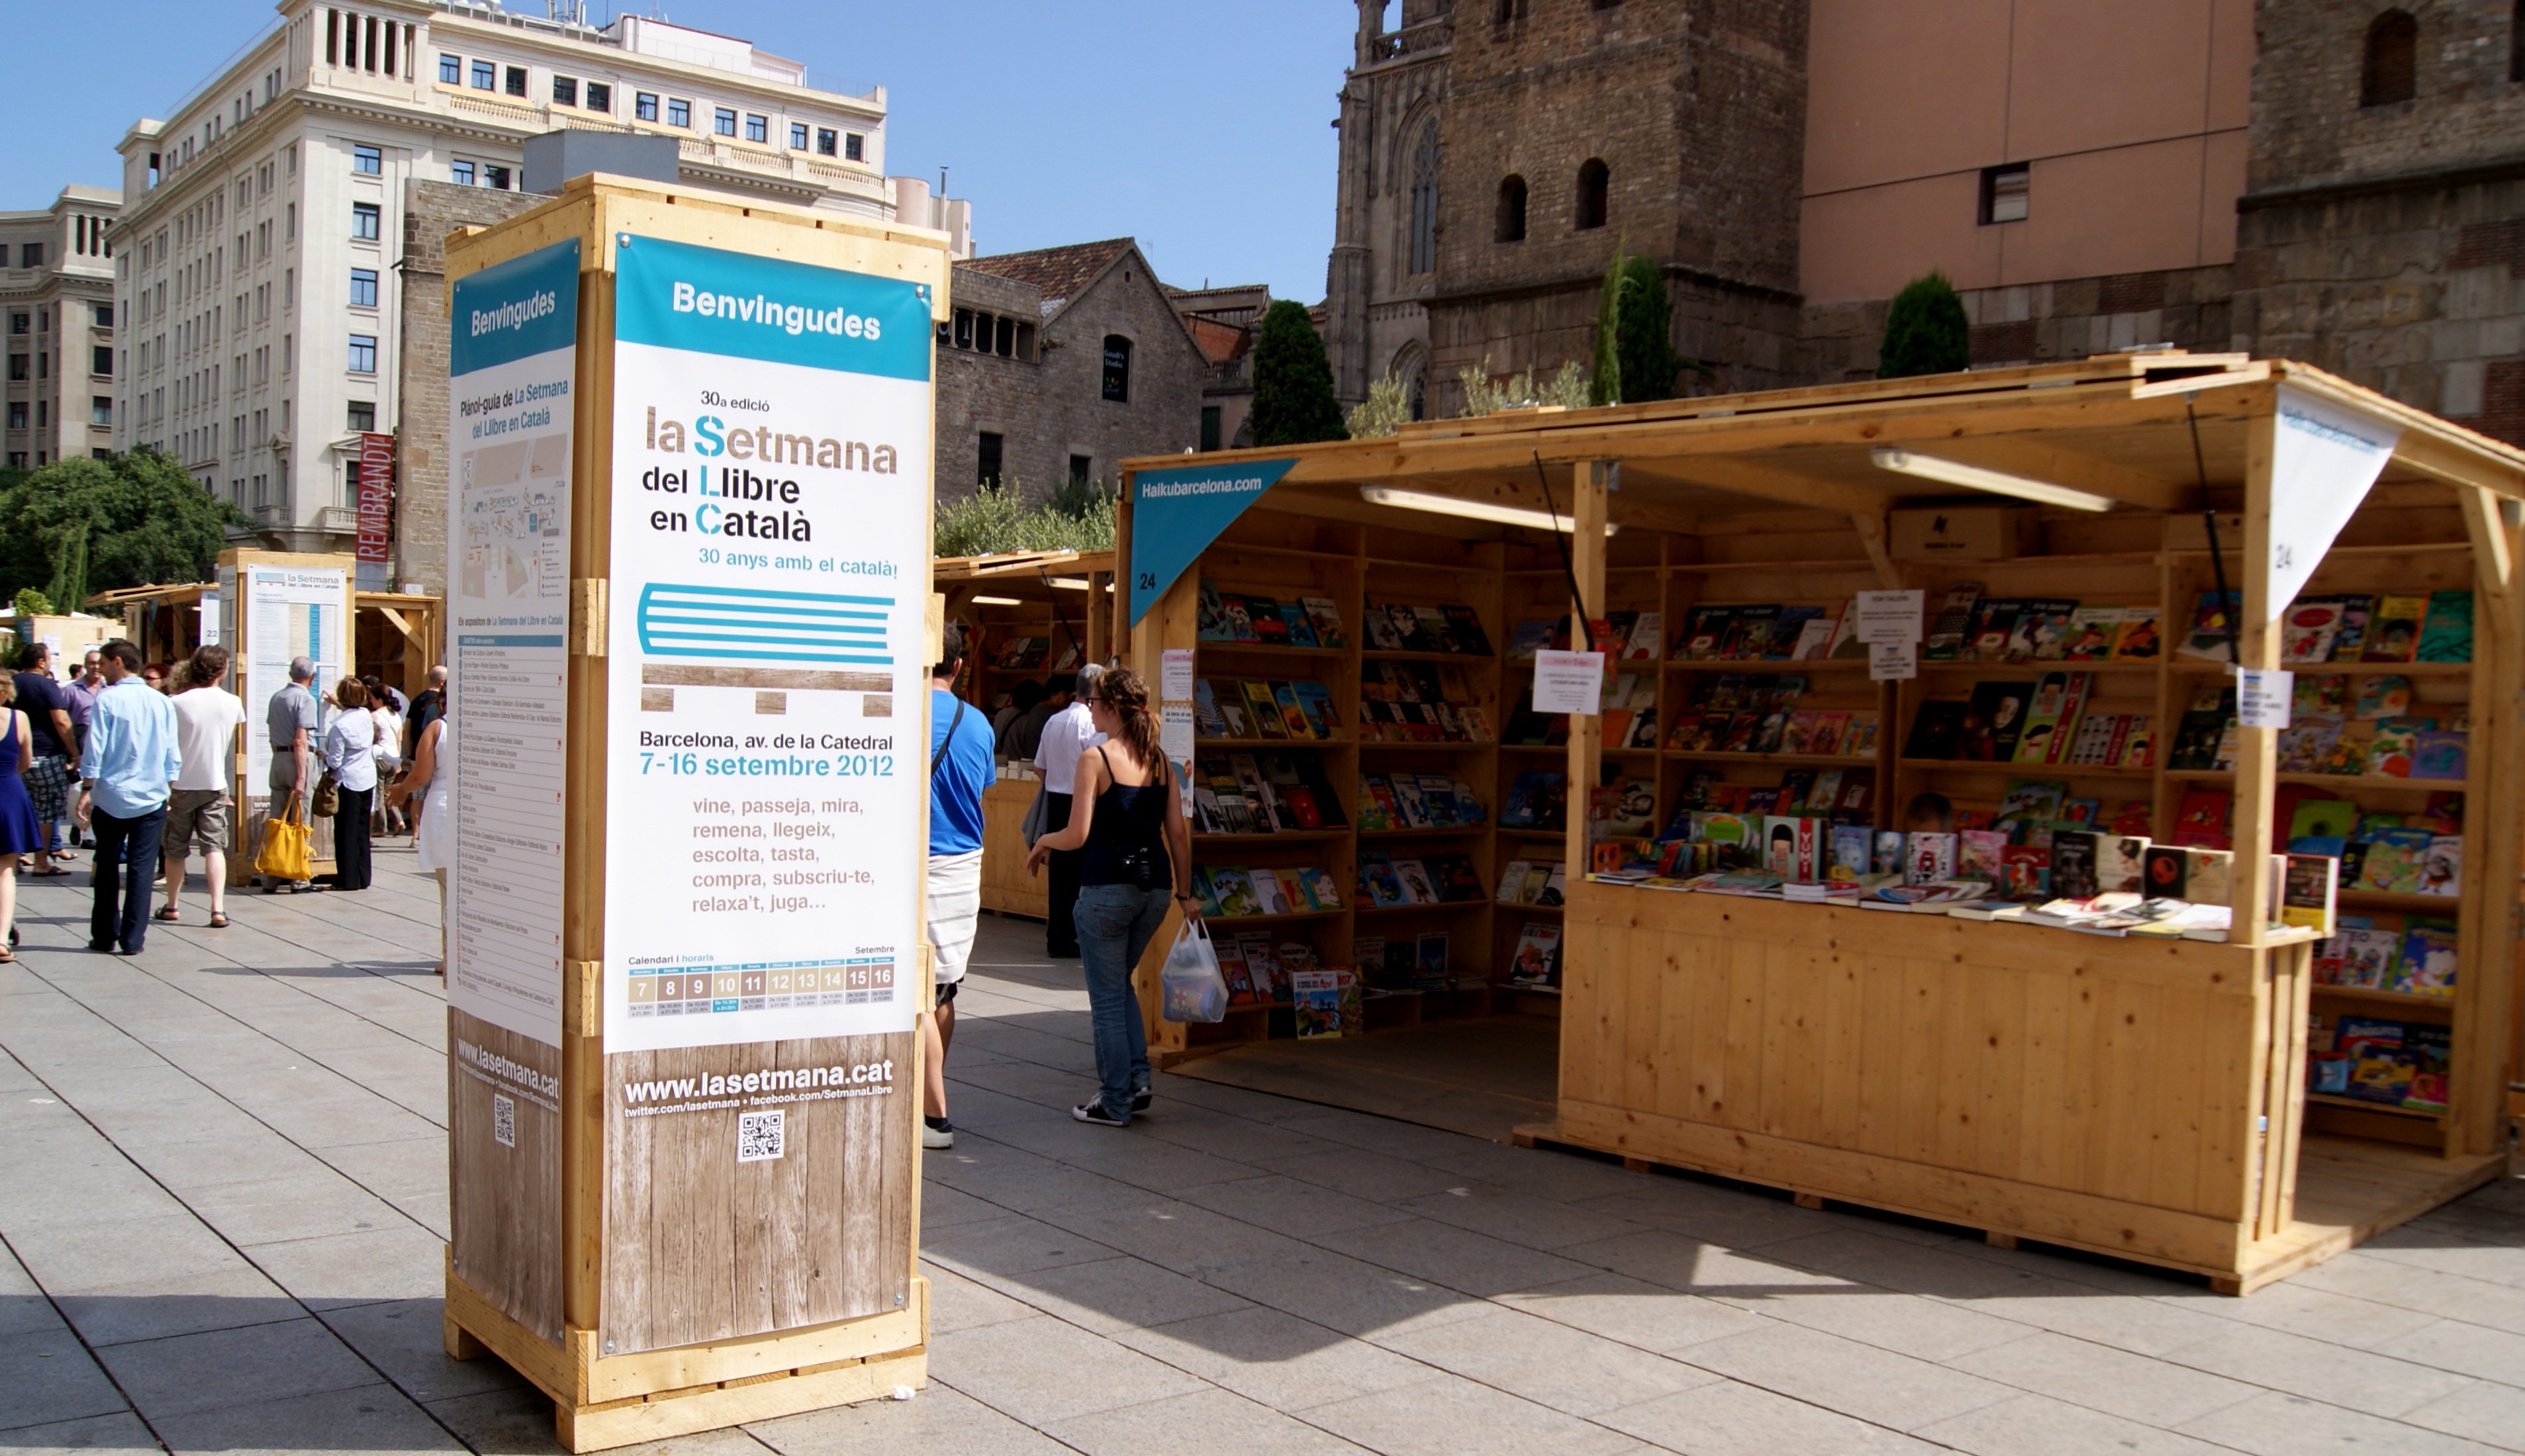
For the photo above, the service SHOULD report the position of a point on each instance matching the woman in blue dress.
(20, 834)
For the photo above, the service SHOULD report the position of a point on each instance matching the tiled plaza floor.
(223, 1195)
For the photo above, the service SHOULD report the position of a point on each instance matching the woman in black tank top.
(1126, 812)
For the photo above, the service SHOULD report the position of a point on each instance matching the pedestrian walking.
(291, 720)
(133, 761)
(207, 720)
(389, 752)
(21, 833)
(53, 743)
(960, 768)
(426, 706)
(1136, 858)
(433, 776)
(80, 694)
(349, 747)
(1068, 734)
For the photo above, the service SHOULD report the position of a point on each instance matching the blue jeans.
(121, 913)
(1115, 923)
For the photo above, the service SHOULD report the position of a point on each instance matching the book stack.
(1972, 628)
(1451, 627)
(1268, 621)
(1252, 708)
(1419, 703)
(1231, 893)
(1428, 880)
(2035, 721)
(1425, 800)
(1262, 794)
(2389, 1063)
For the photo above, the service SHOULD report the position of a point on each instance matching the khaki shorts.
(197, 820)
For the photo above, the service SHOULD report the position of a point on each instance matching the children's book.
(1937, 730)
(2308, 892)
(2092, 630)
(1317, 997)
(2308, 628)
(1536, 961)
(2395, 860)
(1324, 618)
(2439, 754)
(2446, 635)
(2393, 632)
(2142, 637)
(2428, 958)
(1944, 642)
(2442, 866)
(2213, 620)
(2387, 694)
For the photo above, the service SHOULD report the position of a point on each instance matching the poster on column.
(291, 612)
(767, 769)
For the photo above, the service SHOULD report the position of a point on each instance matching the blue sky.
(1200, 126)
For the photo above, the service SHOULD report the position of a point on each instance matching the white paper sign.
(210, 619)
(1568, 682)
(2264, 699)
(1174, 740)
(1892, 661)
(1174, 675)
(2323, 461)
(1889, 616)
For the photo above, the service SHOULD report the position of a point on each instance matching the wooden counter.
(1007, 888)
(2106, 1094)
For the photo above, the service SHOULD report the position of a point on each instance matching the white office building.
(263, 221)
(57, 297)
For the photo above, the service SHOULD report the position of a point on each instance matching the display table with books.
(2088, 831)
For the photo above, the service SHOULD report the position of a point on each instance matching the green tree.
(82, 526)
(996, 518)
(1385, 410)
(1635, 358)
(1925, 332)
(1293, 380)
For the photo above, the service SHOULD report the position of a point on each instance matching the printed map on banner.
(771, 542)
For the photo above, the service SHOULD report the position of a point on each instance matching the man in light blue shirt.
(131, 761)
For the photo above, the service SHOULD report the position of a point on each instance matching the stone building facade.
(430, 212)
(1057, 363)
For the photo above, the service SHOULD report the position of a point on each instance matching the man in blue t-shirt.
(960, 768)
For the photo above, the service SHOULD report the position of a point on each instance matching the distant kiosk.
(689, 622)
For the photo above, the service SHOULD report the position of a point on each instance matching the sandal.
(219, 920)
(54, 873)
(163, 913)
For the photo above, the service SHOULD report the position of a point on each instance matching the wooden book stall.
(1031, 616)
(690, 621)
(2099, 550)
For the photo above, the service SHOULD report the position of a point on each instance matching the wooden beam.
(1875, 538)
(1770, 483)
(2040, 460)
(2256, 749)
(1586, 730)
(2493, 562)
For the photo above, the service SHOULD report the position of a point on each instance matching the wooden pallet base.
(2349, 1190)
(599, 1403)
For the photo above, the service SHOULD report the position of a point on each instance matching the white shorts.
(955, 908)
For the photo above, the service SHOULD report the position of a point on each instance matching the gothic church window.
(1423, 247)
(1595, 194)
(1511, 210)
(2390, 72)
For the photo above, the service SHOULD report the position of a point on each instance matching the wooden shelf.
(1531, 909)
(2028, 770)
(2335, 780)
(2327, 1099)
(2037, 664)
(1402, 654)
(1200, 743)
(1532, 833)
(2377, 996)
(1460, 744)
(1444, 904)
(1823, 760)
(1269, 650)
(2390, 899)
(1274, 837)
(1766, 666)
(2203, 668)
(1233, 921)
(1415, 833)
(1561, 749)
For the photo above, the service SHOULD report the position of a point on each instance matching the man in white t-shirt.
(1067, 733)
(207, 718)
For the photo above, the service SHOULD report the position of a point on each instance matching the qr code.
(504, 1119)
(758, 1136)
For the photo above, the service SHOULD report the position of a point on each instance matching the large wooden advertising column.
(272, 608)
(689, 450)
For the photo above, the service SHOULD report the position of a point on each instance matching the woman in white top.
(390, 752)
(350, 751)
(434, 773)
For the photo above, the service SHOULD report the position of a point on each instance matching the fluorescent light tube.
(1975, 477)
(1071, 583)
(1507, 516)
(996, 602)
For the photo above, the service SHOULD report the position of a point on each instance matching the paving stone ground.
(222, 1195)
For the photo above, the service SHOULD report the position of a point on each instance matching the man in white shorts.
(960, 768)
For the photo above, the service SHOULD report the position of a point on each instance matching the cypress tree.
(1646, 323)
(1293, 380)
(1925, 332)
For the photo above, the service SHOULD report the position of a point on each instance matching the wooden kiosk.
(689, 528)
(1028, 612)
(2139, 1097)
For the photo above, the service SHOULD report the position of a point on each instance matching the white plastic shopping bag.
(1194, 991)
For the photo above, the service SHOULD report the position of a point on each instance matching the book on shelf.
(2445, 636)
(2393, 632)
(2310, 891)
(2210, 634)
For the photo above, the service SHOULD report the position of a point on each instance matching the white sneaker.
(933, 1136)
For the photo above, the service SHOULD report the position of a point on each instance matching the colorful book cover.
(1270, 628)
(1315, 705)
(1263, 709)
(2356, 612)
(2446, 635)
(2210, 634)
(1531, 636)
(2442, 866)
(2092, 630)
(1929, 857)
(2026, 872)
(1944, 642)
(2142, 637)
(2073, 865)
(2396, 743)
(2432, 1053)
(1234, 891)
(2393, 632)
(2120, 863)
(2395, 860)
(1536, 961)
(1981, 855)
(2439, 754)
(1316, 996)
(1850, 857)
(2381, 1065)
(1994, 721)
(1212, 624)
(2428, 965)
(2308, 628)
(1993, 622)
(2387, 694)
(1324, 618)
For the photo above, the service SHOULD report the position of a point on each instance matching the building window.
(796, 136)
(364, 221)
(828, 142)
(854, 147)
(486, 76)
(516, 78)
(1004, 341)
(364, 416)
(644, 105)
(101, 360)
(363, 354)
(367, 161)
(724, 122)
(2004, 193)
(964, 328)
(1595, 194)
(451, 71)
(986, 467)
(495, 177)
(17, 367)
(679, 113)
(1423, 247)
(19, 322)
(1082, 469)
(1118, 368)
(1209, 427)
(17, 415)
(600, 97)
(2516, 44)
(461, 172)
(1511, 210)
(104, 315)
(2392, 70)
(758, 128)
(565, 90)
(363, 288)
(30, 255)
